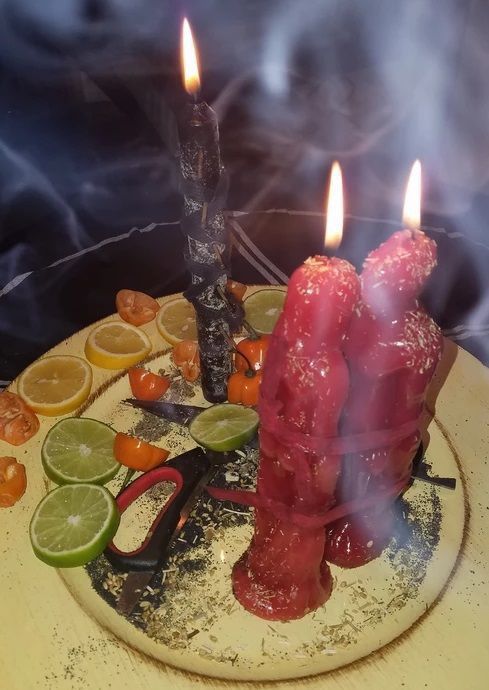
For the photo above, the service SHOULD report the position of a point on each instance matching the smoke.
(50, 38)
(295, 84)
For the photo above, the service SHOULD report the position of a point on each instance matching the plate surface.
(189, 617)
(68, 649)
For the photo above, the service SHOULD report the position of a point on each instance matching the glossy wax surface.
(283, 574)
(392, 350)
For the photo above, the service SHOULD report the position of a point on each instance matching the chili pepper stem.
(129, 475)
(233, 347)
(252, 334)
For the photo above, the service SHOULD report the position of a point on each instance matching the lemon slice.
(224, 427)
(176, 320)
(263, 308)
(73, 524)
(116, 345)
(55, 385)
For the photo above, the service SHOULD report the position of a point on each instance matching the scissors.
(422, 472)
(189, 472)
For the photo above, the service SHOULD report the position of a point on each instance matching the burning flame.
(411, 215)
(334, 209)
(190, 62)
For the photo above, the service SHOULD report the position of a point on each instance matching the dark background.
(89, 195)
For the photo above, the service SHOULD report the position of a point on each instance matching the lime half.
(73, 524)
(263, 308)
(79, 450)
(224, 427)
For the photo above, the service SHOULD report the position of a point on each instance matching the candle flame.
(190, 61)
(334, 209)
(411, 215)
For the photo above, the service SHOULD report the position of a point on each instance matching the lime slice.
(263, 308)
(72, 525)
(79, 450)
(224, 427)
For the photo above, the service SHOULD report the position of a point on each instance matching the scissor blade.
(172, 412)
(136, 581)
(132, 590)
(191, 502)
(421, 473)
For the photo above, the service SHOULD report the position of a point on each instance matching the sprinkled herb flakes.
(189, 601)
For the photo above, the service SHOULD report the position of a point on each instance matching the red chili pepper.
(13, 481)
(244, 387)
(254, 350)
(137, 454)
(147, 386)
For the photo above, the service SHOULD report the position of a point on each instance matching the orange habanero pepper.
(137, 454)
(13, 481)
(244, 387)
(253, 349)
(186, 357)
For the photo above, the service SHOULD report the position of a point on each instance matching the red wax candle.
(305, 384)
(392, 350)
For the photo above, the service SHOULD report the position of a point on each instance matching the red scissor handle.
(185, 471)
(139, 487)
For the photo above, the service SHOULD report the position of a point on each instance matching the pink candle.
(392, 350)
(305, 384)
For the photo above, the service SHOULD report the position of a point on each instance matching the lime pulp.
(263, 308)
(224, 427)
(79, 450)
(73, 524)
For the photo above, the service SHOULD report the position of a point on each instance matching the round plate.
(185, 623)
(189, 617)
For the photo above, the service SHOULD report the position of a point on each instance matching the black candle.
(203, 224)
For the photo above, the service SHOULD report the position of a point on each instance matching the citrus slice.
(116, 345)
(73, 524)
(176, 320)
(224, 427)
(263, 308)
(55, 385)
(79, 450)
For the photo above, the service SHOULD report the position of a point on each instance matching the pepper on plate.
(135, 307)
(13, 481)
(18, 423)
(137, 454)
(147, 386)
(185, 355)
